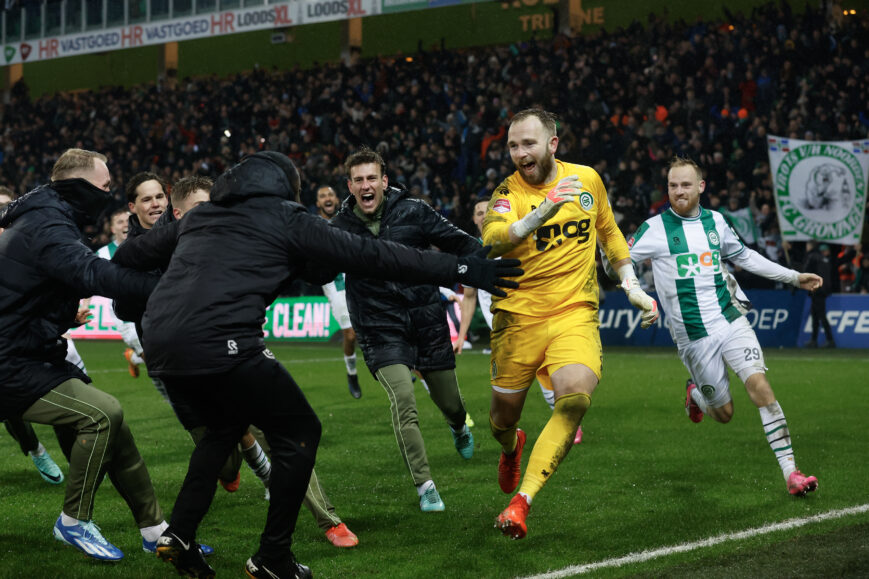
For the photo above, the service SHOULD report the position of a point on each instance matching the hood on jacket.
(39, 198)
(86, 199)
(266, 173)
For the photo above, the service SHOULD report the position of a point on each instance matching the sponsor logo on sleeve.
(502, 206)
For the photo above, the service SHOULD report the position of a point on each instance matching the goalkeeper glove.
(568, 189)
(477, 270)
(638, 298)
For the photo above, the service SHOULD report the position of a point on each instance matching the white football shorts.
(707, 360)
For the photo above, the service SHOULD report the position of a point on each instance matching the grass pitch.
(644, 478)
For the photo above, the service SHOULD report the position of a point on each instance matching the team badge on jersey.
(713, 238)
(586, 199)
(502, 206)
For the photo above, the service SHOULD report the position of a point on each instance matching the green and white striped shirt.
(687, 254)
(108, 250)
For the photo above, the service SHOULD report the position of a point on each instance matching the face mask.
(88, 200)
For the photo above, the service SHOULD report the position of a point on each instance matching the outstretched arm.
(313, 238)
(469, 304)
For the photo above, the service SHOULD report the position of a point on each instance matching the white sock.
(73, 356)
(421, 489)
(258, 462)
(40, 450)
(136, 359)
(350, 362)
(527, 498)
(778, 436)
(68, 521)
(549, 396)
(699, 400)
(153, 533)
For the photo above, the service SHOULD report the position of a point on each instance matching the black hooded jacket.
(133, 310)
(402, 322)
(44, 270)
(229, 259)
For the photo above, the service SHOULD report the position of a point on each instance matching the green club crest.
(586, 199)
(713, 239)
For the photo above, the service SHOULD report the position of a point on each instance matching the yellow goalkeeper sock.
(554, 442)
(505, 436)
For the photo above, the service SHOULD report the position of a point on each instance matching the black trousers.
(819, 316)
(23, 433)
(261, 392)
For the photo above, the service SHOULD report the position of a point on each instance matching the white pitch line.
(685, 547)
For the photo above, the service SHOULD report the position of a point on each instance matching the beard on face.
(544, 167)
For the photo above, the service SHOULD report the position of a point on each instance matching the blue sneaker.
(151, 547)
(47, 468)
(464, 440)
(430, 501)
(87, 538)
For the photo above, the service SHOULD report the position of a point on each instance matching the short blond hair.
(677, 162)
(72, 161)
(547, 119)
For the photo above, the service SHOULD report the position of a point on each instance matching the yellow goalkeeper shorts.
(525, 346)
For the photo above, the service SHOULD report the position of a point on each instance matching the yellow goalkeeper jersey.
(559, 257)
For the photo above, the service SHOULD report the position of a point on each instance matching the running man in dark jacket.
(204, 338)
(402, 325)
(46, 270)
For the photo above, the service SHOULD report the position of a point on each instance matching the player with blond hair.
(551, 215)
(687, 244)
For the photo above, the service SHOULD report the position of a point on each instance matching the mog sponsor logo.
(549, 236)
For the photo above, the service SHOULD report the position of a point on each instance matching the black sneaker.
(256, 568)
(186, 557)
(353, 385)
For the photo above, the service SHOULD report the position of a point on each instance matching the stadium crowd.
(630, 100)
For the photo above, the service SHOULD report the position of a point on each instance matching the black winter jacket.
(133, 310)
(402, 322)
(44, 270)
(232, 256)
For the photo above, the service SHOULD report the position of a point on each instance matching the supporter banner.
(775, 317)
(189, 28)
(848, 315)
(820, 188)
(301, 319)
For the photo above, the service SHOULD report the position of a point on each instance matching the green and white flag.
(820, 188)
(743, 222)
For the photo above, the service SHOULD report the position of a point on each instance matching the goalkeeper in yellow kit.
(551, 215)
